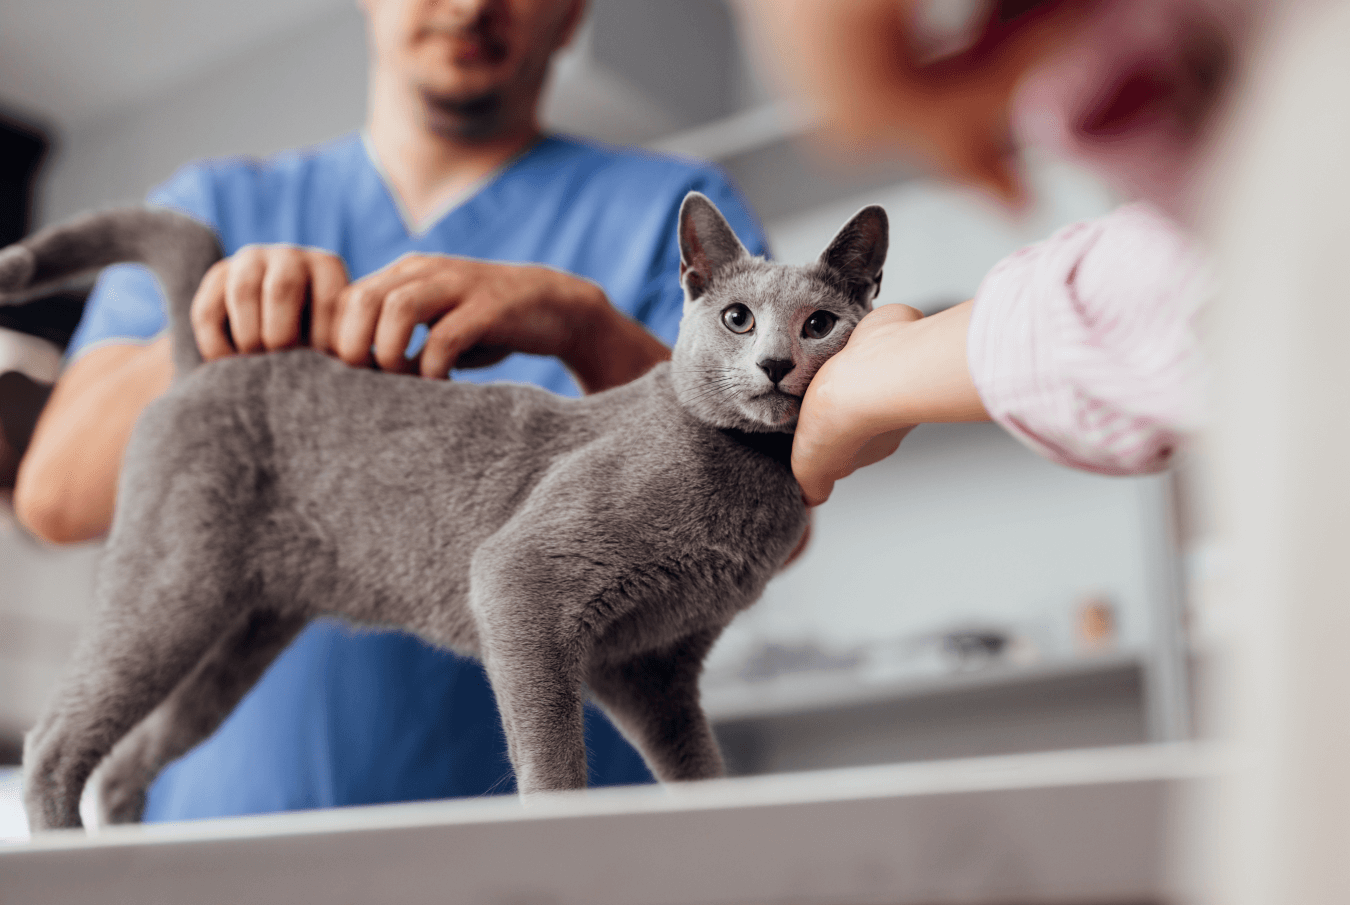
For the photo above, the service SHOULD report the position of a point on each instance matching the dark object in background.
(21, 401)
(973, 648)
(22, 148)
(53, 317)
(11, 748)
(51, 320)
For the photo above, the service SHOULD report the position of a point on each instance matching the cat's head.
(754, 333)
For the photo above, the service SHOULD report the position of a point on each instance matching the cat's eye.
(738, 318)
(819, 325)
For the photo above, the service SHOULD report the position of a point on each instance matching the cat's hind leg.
(163, 601)
(125, 669)
(180, 567)
(653, 698)
(192, 711)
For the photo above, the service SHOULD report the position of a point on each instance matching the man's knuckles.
(403, 303)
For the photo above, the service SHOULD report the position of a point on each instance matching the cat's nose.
(776, 368)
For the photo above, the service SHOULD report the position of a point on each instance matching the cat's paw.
(120, 795)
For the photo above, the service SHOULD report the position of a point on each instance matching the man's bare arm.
(67, 481)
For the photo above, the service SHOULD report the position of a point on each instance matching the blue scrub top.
(347, 715)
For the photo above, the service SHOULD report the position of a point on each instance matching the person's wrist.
(926, 375)
(590, 329)
(901, 403)
(604, 347)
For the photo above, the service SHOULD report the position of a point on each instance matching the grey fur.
(599, 543)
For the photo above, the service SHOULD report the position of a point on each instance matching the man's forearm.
(610, 349)
(67, 482)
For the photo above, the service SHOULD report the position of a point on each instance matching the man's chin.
(463, 116)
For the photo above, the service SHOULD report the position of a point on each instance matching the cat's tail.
(178, 249)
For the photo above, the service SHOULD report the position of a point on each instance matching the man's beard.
(472, 118)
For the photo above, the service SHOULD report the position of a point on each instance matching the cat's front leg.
(534, 666)
(654, 698)
(539, 697)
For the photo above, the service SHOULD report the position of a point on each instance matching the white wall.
(962, 527)
(301, 88)
(45, 596)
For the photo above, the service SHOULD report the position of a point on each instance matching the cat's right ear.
(856, 255)
(707, 243)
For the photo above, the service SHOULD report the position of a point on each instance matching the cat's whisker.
(722, 388)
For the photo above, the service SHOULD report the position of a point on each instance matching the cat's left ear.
(856, 255)
(707, 243)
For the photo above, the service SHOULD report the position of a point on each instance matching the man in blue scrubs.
(451, 227)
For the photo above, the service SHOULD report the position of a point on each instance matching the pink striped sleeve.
(1084, 345)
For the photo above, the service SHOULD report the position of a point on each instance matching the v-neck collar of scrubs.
(416, 230)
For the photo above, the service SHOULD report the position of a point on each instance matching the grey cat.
(600, 543)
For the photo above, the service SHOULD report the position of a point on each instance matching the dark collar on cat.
(776, 446)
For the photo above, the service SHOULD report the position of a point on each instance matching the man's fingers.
(208, 314)
(451, 337)
(358, 312)
(327, 279)
(360, 305)
(243, 298)
(285, 284)
(255, 300)
(403, 309)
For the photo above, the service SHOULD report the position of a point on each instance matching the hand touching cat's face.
(754, 333)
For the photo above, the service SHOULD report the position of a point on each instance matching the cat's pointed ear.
(856, 255)
(707, 243)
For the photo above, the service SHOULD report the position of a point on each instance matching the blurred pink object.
(1133, 95)
(1084, 345)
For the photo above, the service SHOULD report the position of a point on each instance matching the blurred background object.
(32, 335)
(962, 634)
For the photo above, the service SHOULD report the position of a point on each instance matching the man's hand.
(254, 300)
(478, 313)
(898, 370)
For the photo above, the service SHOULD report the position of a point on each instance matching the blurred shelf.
(806, 693)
